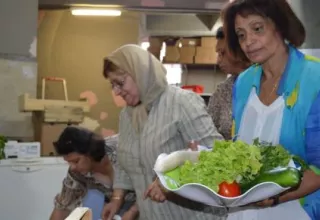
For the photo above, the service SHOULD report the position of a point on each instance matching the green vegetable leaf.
(273, 157)
(231, 161)
(228, 161)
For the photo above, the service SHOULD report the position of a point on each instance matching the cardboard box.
(206, 55)
(187, 55)
(208, 42)
(155, 42)
(46, 133)
(190, 42)
(172, 54)
(156, 51)
(80, 213)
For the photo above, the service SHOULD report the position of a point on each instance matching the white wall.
(207, 78)
(18, 69)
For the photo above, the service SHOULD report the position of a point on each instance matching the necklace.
(275, 85)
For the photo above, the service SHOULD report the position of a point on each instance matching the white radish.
(167, 162)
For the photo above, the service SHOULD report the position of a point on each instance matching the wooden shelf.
(205, 94)
(198, 66)
(193, 64)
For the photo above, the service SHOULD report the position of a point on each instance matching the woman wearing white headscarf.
(158, 119)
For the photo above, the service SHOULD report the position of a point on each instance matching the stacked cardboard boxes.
(206, 53)
(155, 46)
(192, 50)
(172, 51)
(182, 51)
(172, 54)
(188, 50)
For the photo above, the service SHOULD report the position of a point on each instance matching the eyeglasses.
(119, 85)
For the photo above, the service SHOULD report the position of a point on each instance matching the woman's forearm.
(117, 197)
(118, 194)
(309, 184)
(134, 209)
(59, 214)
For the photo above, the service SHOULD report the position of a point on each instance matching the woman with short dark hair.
(286, 22)
(277, 99)
(91, 159)
(219, 106)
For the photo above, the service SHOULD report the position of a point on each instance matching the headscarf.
(148, 73)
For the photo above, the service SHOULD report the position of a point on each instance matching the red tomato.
(229, 190)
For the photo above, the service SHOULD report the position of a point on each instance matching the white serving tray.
(200, 193)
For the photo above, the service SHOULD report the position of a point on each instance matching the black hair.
(80, 140)
(278, 11)
(220, 33)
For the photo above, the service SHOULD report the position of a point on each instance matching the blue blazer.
(300, 132)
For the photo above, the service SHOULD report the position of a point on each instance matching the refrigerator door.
(28, 187)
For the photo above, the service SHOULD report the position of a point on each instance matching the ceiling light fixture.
(95, 12)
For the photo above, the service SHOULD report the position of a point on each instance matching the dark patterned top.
(220, 107)
(76, 185)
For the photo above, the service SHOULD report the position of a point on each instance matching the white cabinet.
(28, 189)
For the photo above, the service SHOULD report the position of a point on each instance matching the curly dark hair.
(278, 11)
(82, 141)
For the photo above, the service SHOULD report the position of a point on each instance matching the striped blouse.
(175, 118)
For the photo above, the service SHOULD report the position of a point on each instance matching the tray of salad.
(231, 174)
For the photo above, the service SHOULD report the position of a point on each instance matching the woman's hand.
(110, 209)
(131, 214)
(264, 203)
(309, 184)
(193, 145)
(155, 192)
(128, 215)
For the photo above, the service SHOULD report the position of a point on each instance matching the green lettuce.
(273, 156)
(227, 161)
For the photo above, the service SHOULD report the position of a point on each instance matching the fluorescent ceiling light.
(96, 12)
